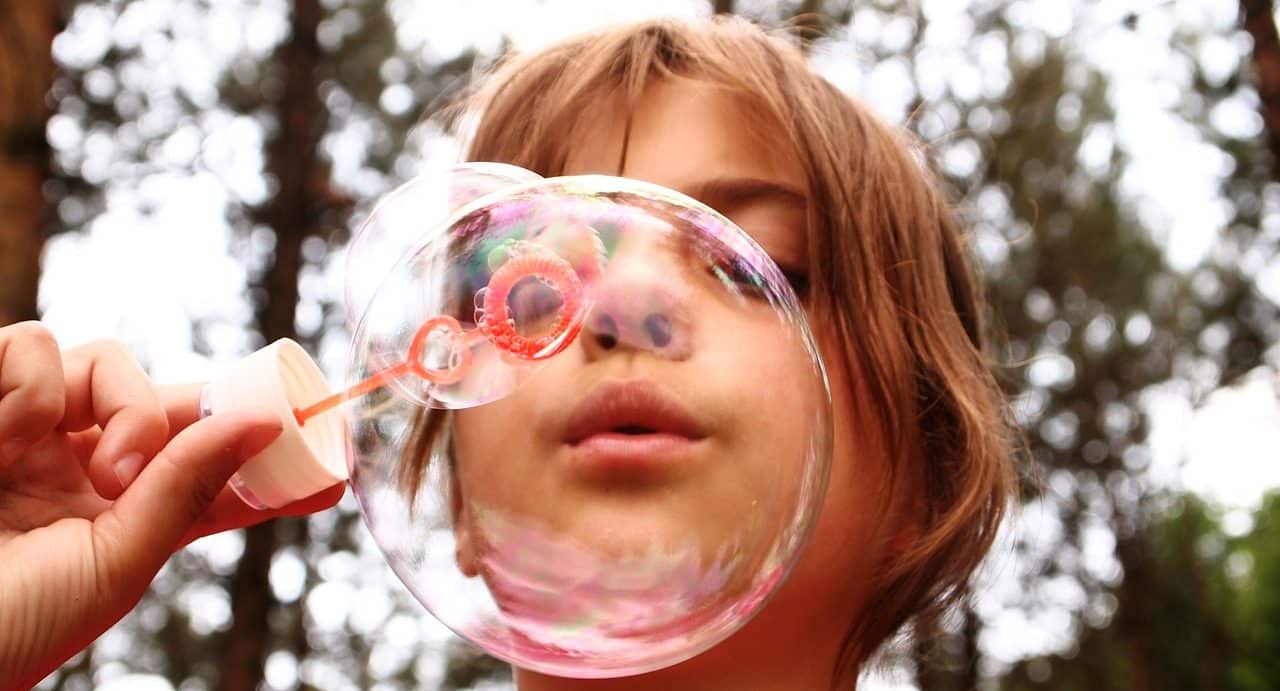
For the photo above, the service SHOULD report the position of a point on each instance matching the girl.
(922, 468)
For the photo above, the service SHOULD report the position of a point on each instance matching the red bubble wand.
(497, 325)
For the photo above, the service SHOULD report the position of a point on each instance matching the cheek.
(762, 380)
(766, 384)
(503, 448)
(492, 447)
(850, 539)
(477, 434)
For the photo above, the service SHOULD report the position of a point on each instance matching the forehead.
(684, 133)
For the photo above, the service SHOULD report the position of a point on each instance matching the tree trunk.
(1259, 20)
(810, 22)
(1133, 618)
(968, 673)
(926, 653)
(293, 215)
(251, 602)
(27, 28)
(946, 661)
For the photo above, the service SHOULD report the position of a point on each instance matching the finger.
(181, 404)
(147, 523)
(32, 389)
(107, 387)
(229, 512)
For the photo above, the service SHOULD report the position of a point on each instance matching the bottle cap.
(304, 459)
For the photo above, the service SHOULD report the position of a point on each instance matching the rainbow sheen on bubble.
(398, 220)
(613, 435)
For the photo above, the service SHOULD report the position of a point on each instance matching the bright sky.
(144, 278)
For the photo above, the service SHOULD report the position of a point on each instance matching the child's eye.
(738, 273)
(799, 280)
(746, 279)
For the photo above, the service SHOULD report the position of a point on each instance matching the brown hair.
(885, 255)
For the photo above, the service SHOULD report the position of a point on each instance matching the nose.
(637, 311)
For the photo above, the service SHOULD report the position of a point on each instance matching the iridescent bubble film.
(398, 221)
(597, 429)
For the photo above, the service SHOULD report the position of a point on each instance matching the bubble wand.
(282, 377)
(495, 324)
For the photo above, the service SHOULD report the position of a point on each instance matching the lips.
(634, 410)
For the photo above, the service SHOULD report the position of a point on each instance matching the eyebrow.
(725, 194)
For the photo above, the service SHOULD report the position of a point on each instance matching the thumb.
(147, 523)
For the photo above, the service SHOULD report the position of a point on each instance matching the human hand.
(103, 475)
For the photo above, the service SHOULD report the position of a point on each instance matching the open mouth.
(634, 430)
(632, 408)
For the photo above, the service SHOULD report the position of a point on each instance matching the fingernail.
(127, 468)
(13, 449)
(258, 439)
(206, 407)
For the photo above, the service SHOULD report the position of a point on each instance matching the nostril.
(606, 331)
(658, 328)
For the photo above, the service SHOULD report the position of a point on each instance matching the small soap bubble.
(570, 478)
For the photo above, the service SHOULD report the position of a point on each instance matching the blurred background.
(183, 175)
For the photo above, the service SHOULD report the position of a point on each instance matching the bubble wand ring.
(459, 357)
(531, 261)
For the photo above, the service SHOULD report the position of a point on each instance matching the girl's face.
(717, 385)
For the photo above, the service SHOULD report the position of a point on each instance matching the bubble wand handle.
(377, 381)
(457, 368)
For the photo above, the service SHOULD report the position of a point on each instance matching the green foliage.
(1254, 573)
(1209, 618)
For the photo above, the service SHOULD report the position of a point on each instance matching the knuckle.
(147, 426)
(34, 333)
(153, 417)
(203, 492)
(109, 349)
(32, 336)
(45, 403)
(201, 489)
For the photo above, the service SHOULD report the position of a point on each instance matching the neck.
(531, 681)
(726, 666)
(793, 644)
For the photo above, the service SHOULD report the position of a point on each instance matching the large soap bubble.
(593, 432)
